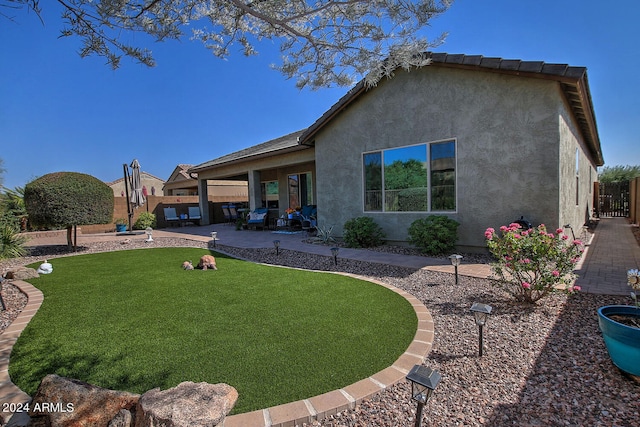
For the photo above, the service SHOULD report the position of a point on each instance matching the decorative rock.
(122, 419)
(70, 402)
(187, 405)
(21, 273)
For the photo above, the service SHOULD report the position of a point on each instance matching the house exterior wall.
(149, 181)
(506, 133)
(578, 172)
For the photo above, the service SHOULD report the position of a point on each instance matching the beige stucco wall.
(507, 139)
(575, 195)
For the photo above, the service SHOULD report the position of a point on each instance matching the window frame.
(429, 171)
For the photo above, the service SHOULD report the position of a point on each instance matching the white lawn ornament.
(45, 268)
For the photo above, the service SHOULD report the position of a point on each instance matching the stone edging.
(288, 414)
(8, 390)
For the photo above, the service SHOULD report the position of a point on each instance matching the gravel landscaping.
(542, 366)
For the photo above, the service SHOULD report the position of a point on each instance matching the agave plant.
(323, 235)
(11, 242)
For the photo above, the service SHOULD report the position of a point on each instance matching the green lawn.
(134, 320)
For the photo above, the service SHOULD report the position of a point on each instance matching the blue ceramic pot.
(121, 228)
(622, 341)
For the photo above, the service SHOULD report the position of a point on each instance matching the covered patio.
(280, 174)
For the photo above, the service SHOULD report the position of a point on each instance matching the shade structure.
(137, 195)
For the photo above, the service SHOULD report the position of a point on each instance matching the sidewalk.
(612, 252)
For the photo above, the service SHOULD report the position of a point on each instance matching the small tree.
(68, 199)
(618, 173)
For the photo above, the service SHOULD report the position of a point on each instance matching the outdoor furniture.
(170, 216)
(258, 218)
(226, 213)
(194, 214)
(308, 215)
(233, 212)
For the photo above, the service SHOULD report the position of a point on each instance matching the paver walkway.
(611, 253)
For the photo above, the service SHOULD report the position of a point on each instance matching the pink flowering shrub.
(531, 264)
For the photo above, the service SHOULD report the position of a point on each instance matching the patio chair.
(170, 216)
(233, 212)
(226, 213)
(309, 214)
(194, 214)
(258, 218)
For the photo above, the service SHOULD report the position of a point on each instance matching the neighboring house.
(152, 185)
(185, 183)
(481, 140)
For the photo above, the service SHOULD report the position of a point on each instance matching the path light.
(455, 261)
(334, 252)
(423, 381)
(481, 312)
(276, 243)
(214, 237)
(149, 232)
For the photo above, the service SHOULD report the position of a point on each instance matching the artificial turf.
(134, 320)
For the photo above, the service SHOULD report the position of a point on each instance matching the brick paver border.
(286, 415)
(9, 392)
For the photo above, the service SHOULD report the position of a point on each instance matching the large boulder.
(21, 273)
(72, 403)
(188, 404)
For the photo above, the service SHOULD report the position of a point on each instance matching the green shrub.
(362, 232)
(146, 219)
(64, 199)
(68, 199)
(531, 264)
(434, 235)
(11, 242)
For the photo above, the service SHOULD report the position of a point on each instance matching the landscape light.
(423, 381)
(481, 313)
(455, 261)
(334, 252)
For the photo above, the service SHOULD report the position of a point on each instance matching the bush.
(362, 232)
(146, 219)
(532, 263)
(434, 235)
(64, 199)
(11, 242)
(68, 199)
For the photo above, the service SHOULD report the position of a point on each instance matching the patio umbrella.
(137, 196)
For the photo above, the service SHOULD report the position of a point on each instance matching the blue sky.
(59, 112)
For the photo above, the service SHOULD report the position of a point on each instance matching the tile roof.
(282, 143)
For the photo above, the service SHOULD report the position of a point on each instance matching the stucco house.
(152, 185)
(481, 140)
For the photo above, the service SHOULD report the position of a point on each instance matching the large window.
(416, 178)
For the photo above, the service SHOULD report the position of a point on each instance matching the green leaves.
(530, 264)
(64, 199)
